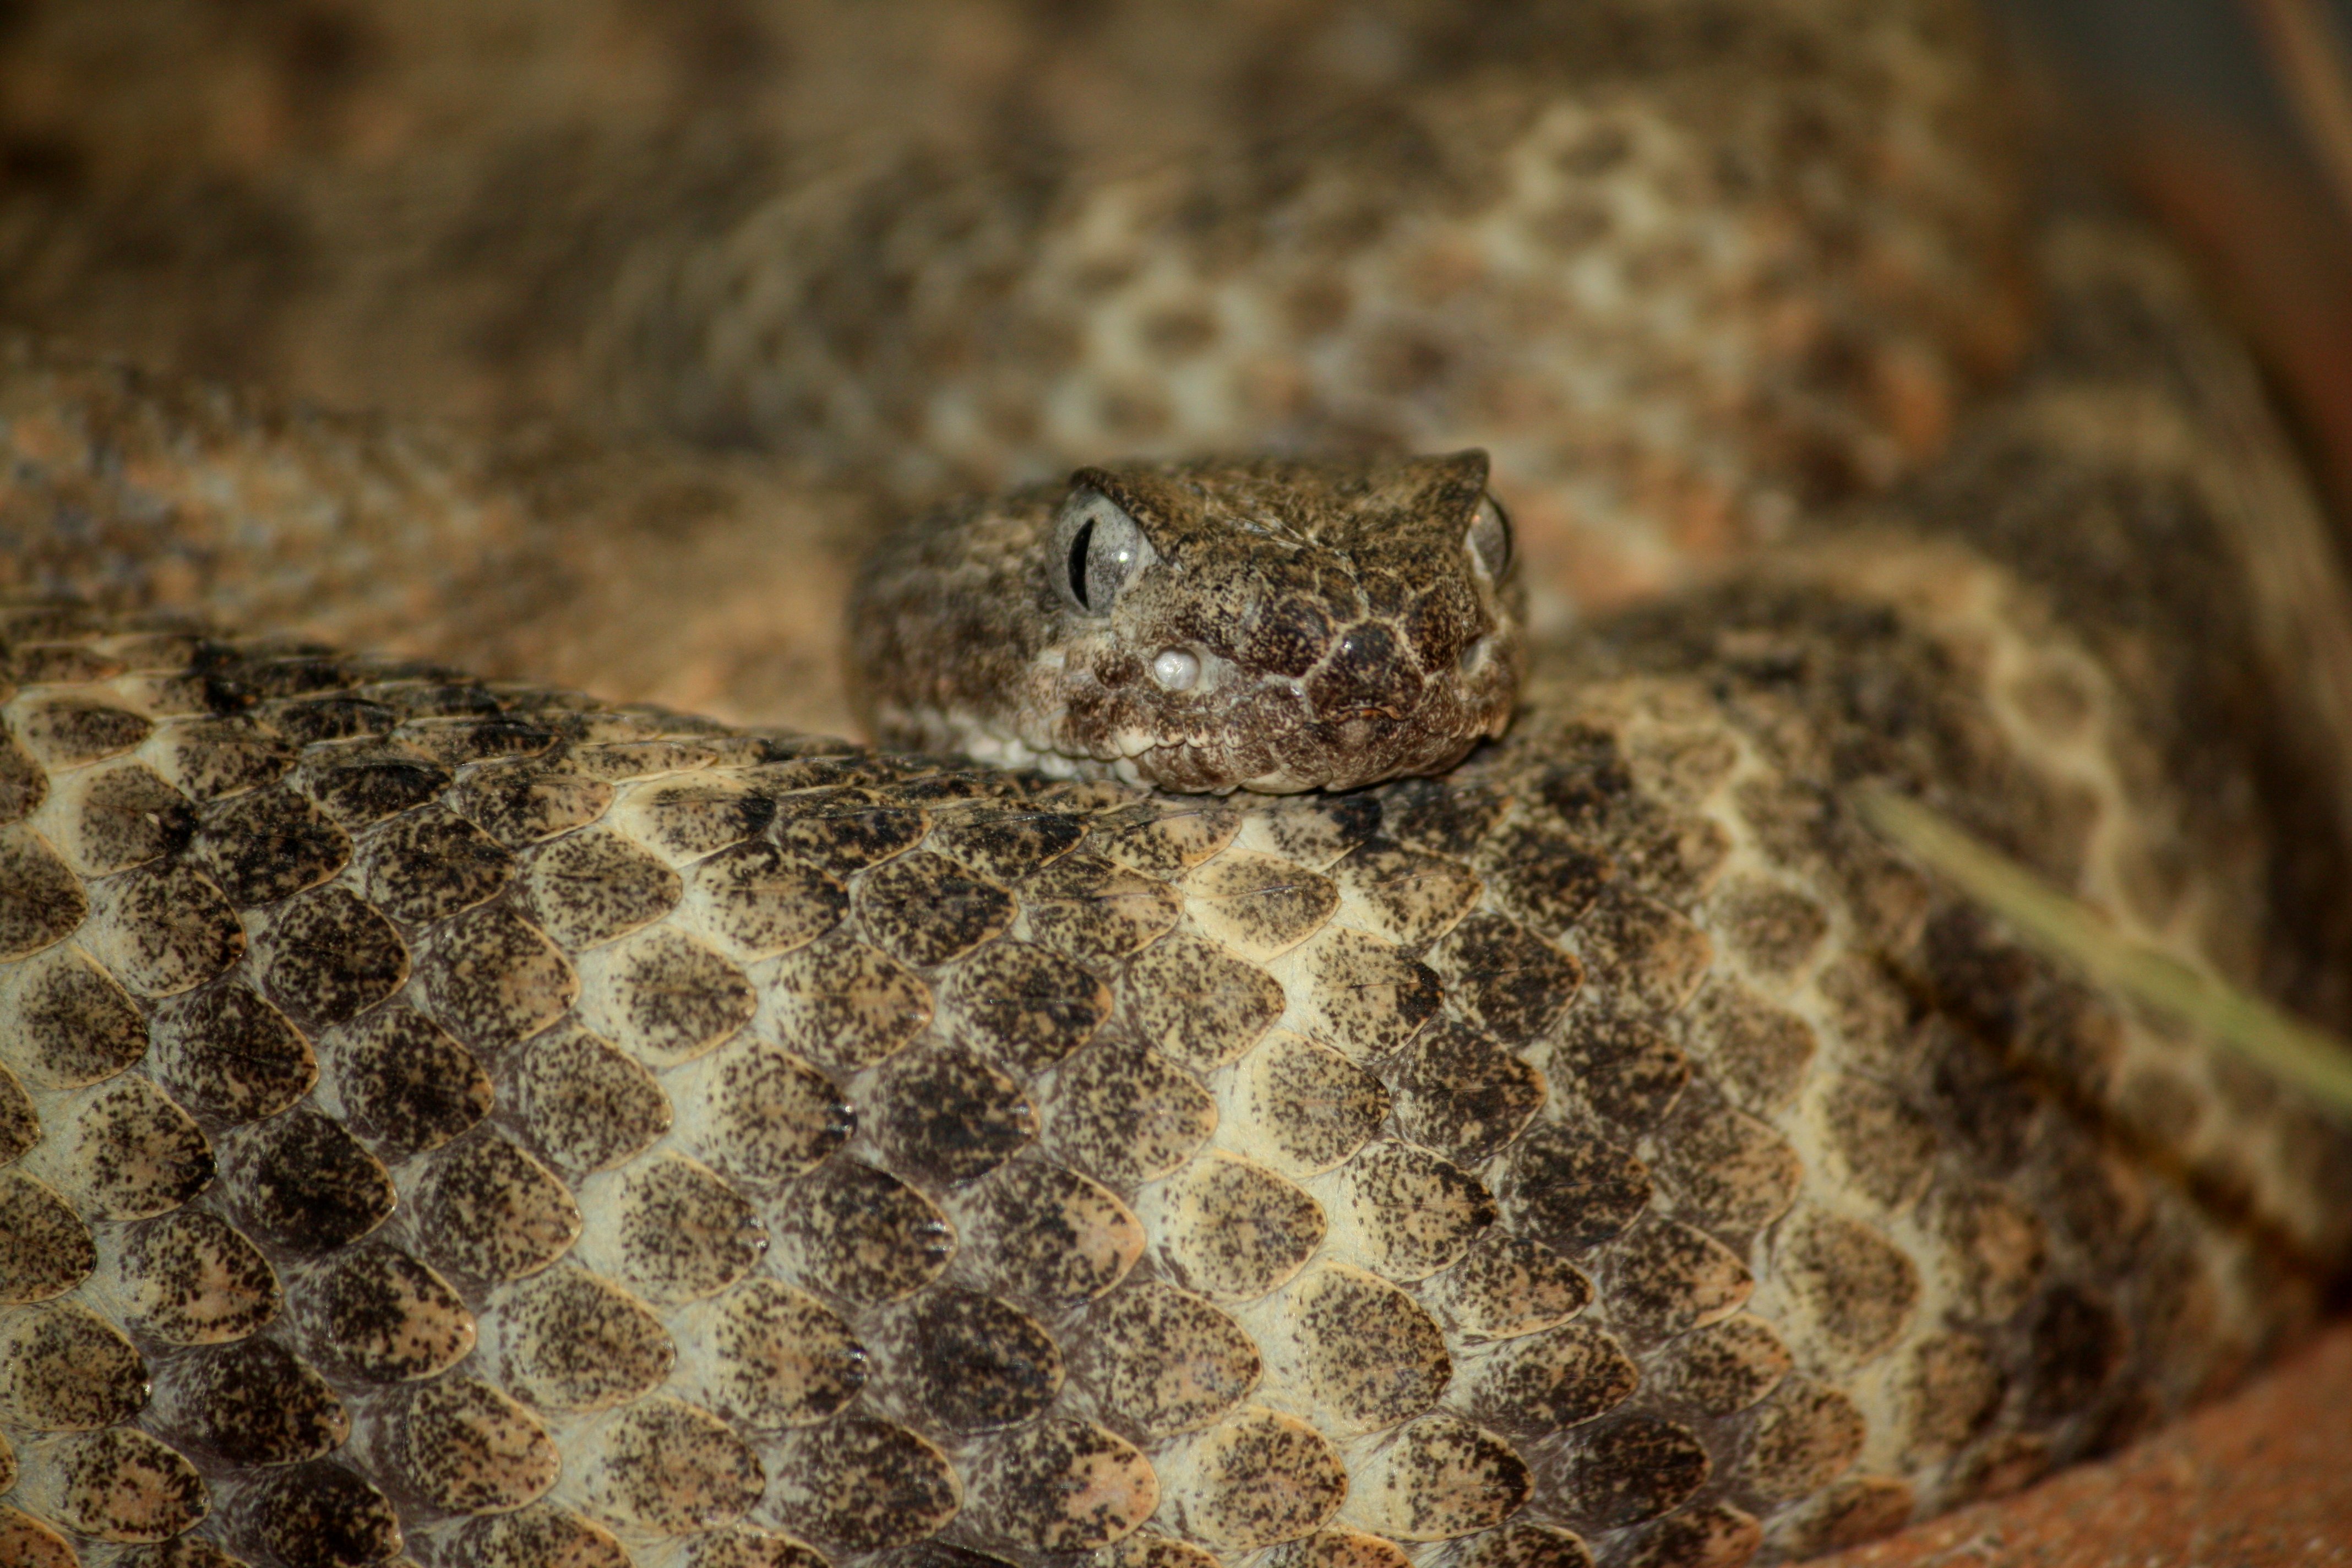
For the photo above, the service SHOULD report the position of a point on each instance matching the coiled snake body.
(461, 1121)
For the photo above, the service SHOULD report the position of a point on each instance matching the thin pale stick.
(2066, 929)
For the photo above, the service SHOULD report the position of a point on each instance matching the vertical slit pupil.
(1078, 544)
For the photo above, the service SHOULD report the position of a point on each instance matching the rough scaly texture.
(1685, 267)
(1202, 626)
(463, 1123)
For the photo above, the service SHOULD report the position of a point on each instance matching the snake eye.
(1490, 538)
(1175, 669)
(1101, 548)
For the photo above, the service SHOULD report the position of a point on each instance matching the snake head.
(1259, 624)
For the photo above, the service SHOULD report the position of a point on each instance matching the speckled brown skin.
(1330, 625)
(2255, 1475)
(466, 1120)
(548, 1133)
(1684, 268)
(469, 1122)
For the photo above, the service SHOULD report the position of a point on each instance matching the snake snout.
(1368, 671)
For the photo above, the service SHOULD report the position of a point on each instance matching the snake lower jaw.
(1266, 736)
(1186, 769)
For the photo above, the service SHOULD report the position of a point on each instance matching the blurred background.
(145, 144)
(429, 207)
(2231, 120)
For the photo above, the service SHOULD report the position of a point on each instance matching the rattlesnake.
(461, 1120)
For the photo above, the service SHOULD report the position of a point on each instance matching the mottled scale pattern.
(1576, 234)
(1688, 268)
(448, 1123)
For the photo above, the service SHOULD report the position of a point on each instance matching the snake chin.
(1274, 625)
